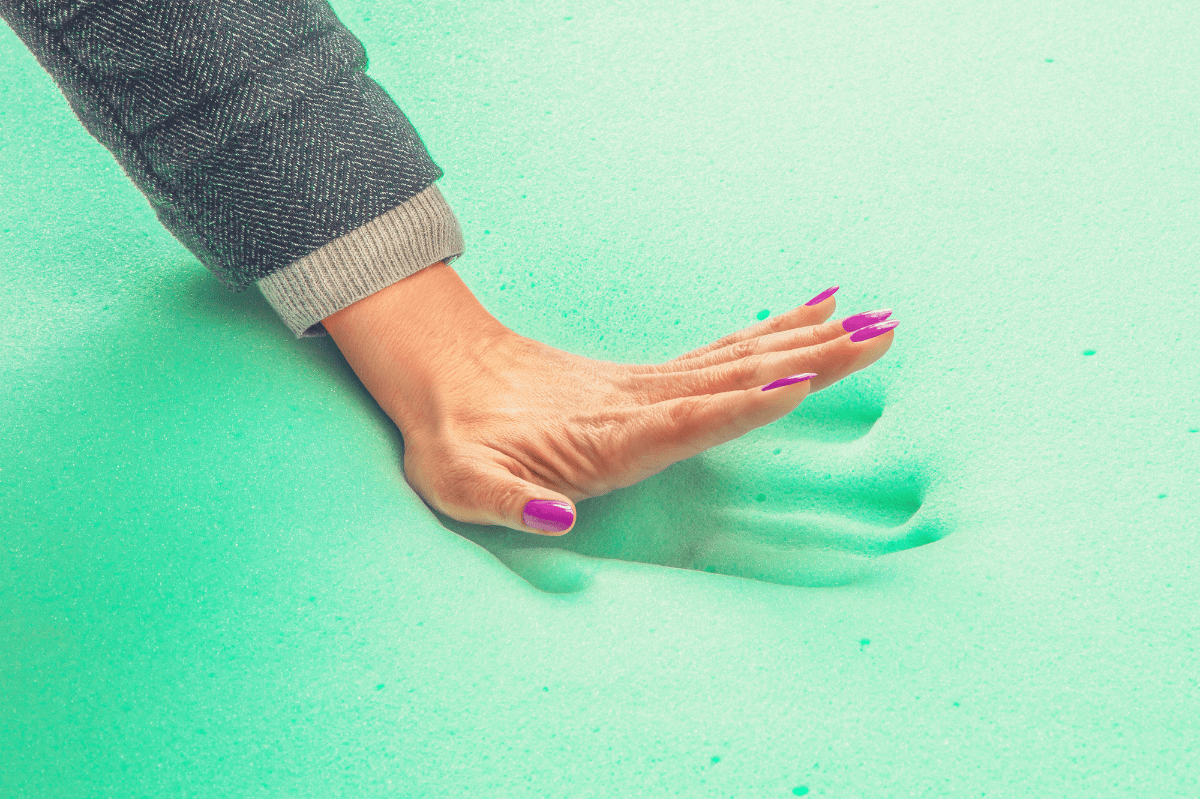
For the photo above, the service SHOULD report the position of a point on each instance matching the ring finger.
(831, 360)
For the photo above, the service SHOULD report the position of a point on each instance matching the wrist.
(408, 341)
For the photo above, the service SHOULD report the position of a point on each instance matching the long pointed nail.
(824, 295)
(787, 381)
(873, 331)
(852, 323)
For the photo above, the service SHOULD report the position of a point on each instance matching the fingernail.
(852, 323)
(548, 515)
(787, 381)
(824, 295)
(873, 331)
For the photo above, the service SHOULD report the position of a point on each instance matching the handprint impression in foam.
(797, 502)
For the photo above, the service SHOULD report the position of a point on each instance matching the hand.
(493, 420)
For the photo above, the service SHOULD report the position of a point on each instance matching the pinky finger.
(683, 427)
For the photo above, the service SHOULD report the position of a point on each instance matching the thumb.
(494, 495)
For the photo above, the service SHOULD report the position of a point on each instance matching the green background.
(215, 580)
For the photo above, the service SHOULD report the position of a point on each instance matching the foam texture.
(968, 570)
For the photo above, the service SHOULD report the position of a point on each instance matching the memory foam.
(967, 570)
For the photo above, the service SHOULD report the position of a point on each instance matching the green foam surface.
(969, 570)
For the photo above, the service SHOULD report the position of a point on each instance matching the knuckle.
(744, 370)
(503, 497)
(834, 353)
(629, 383)
(682, 414)
(744, 349)
(776, 323)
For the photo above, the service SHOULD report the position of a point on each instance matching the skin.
(492, 419)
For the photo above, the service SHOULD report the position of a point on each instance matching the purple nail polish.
(873, 331)
(548, 515)
(852, 323)
(787, 381)
(824, 295)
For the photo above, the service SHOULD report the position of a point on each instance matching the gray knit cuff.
(415, 234)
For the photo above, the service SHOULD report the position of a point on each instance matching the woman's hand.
(493, 420)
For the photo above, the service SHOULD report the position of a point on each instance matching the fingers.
(677, 429)
(801, 316)
(831, 360)
(776, 342)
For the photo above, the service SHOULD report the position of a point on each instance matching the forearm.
(256, 136)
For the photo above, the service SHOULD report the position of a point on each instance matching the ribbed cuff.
(415, 234)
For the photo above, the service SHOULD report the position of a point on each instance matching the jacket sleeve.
(256, 135)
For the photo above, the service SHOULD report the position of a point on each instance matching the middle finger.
(774, 342)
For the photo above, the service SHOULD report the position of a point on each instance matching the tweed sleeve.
(257, 137)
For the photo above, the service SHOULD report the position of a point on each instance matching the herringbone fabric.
(250, 126)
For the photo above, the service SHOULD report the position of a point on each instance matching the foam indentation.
(816, 523)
